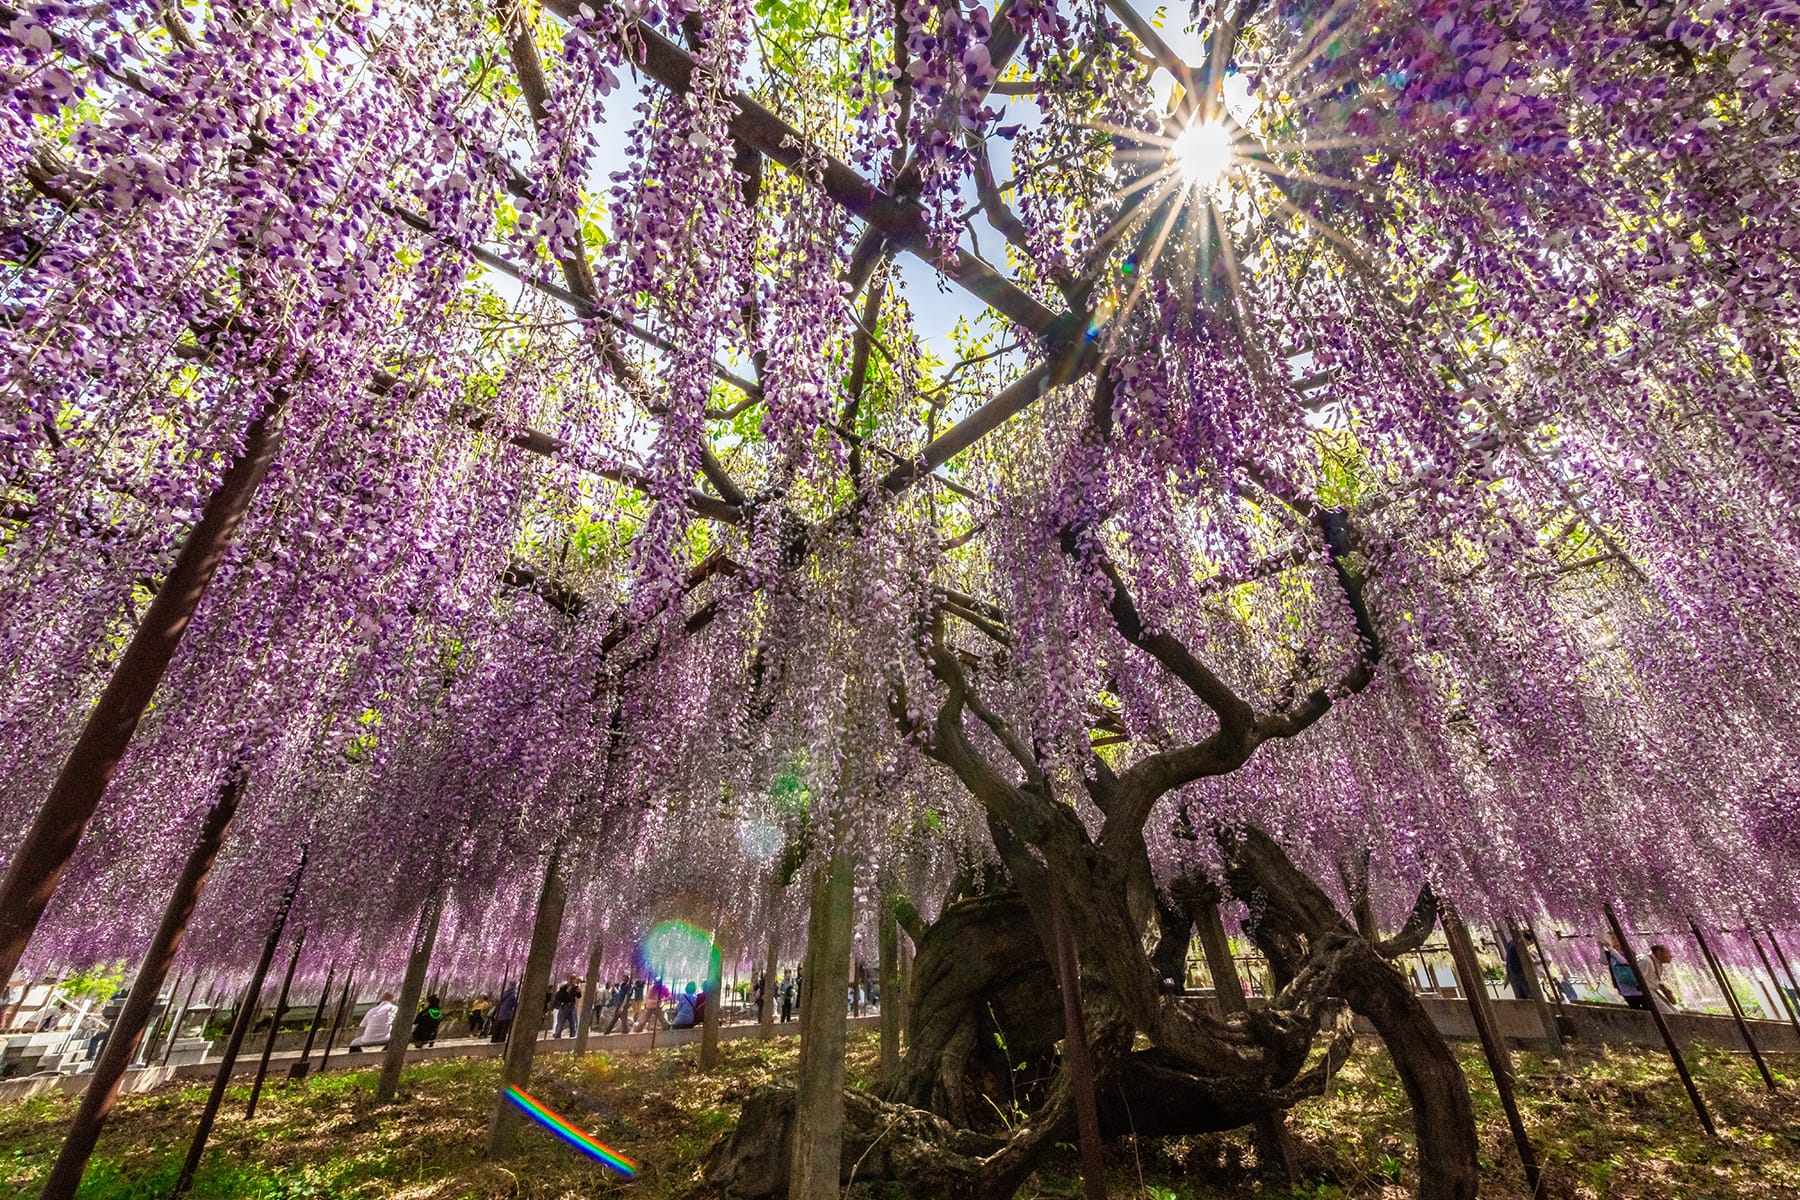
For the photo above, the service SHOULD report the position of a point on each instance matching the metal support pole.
(239, 1027)
(298, 1070)
(1787, 1001)
(1493, 1048)
(1731, 1002)
(1662, 1026)
(280, 1010)
(337, 1022)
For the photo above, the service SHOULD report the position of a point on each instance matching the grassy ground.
(1611, 1126)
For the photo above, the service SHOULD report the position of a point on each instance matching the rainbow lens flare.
(675, 951)
(604, 1155)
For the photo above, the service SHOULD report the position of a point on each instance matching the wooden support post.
(158, 1025)
(1215, 946)
(521, 1043)
(765, 1020)
(817, 1139)
(1273, 1139)
(180, 1015)
(709, 1023)
(903, 998)
(1662, 1026)
(279, 1011)
(418, 961)
(38, 864)
(1080, 1056)
(1534, 990)
(337, 1022)
(299, 1069)
(590, 999)
(103, 1085)
(887, 976)
(1556, 995)
(246, 1013)
(1781, 960)
(1787, 1002)
(1731, 1002)
(1493, 1045)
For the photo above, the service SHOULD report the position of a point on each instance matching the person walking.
(479, 1008)
(377, 1024)
(568, 1005)
(504, 1012)
(787, 998)
(620, 999)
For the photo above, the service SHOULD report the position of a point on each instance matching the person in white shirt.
(1654, 968)
(377, 1025)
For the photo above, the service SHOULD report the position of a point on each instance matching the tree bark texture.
(887, 975)
(709, 1022)
(38, 865)
(817, 1143)
(418, 962)
(765, 1020)
(103, 1085)
(590, 999)
(521, 1043)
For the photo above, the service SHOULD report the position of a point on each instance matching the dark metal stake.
(1081, 1059)
(1662, 1026)
(121, 1044)
(1787, 1002)
(262, 1067)
(337, 1022)
(298, 1070)
(1731, 1002)
(1462, 954)
(239, 1027)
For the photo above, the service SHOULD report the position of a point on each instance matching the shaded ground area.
(1611, 1126)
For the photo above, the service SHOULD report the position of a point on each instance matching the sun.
(1203, 152)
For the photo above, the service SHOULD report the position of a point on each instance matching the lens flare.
(606, 1156)
(674, 951)
(1203, 153)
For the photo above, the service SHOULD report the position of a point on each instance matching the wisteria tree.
(508, 432)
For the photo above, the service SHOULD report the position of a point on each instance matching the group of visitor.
(377, 1027)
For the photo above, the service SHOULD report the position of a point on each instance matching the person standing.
(1653, 967)
(787, 998)
(568, 1005)
(1516, 968)
(1624, 979)
(479, 1008)
(504, 1012)
(377, 1024)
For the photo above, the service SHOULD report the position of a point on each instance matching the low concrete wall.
(1606, 1024)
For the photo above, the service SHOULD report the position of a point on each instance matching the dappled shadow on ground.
(1609, 1126)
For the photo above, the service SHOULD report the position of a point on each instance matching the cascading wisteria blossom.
(1510, 286)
